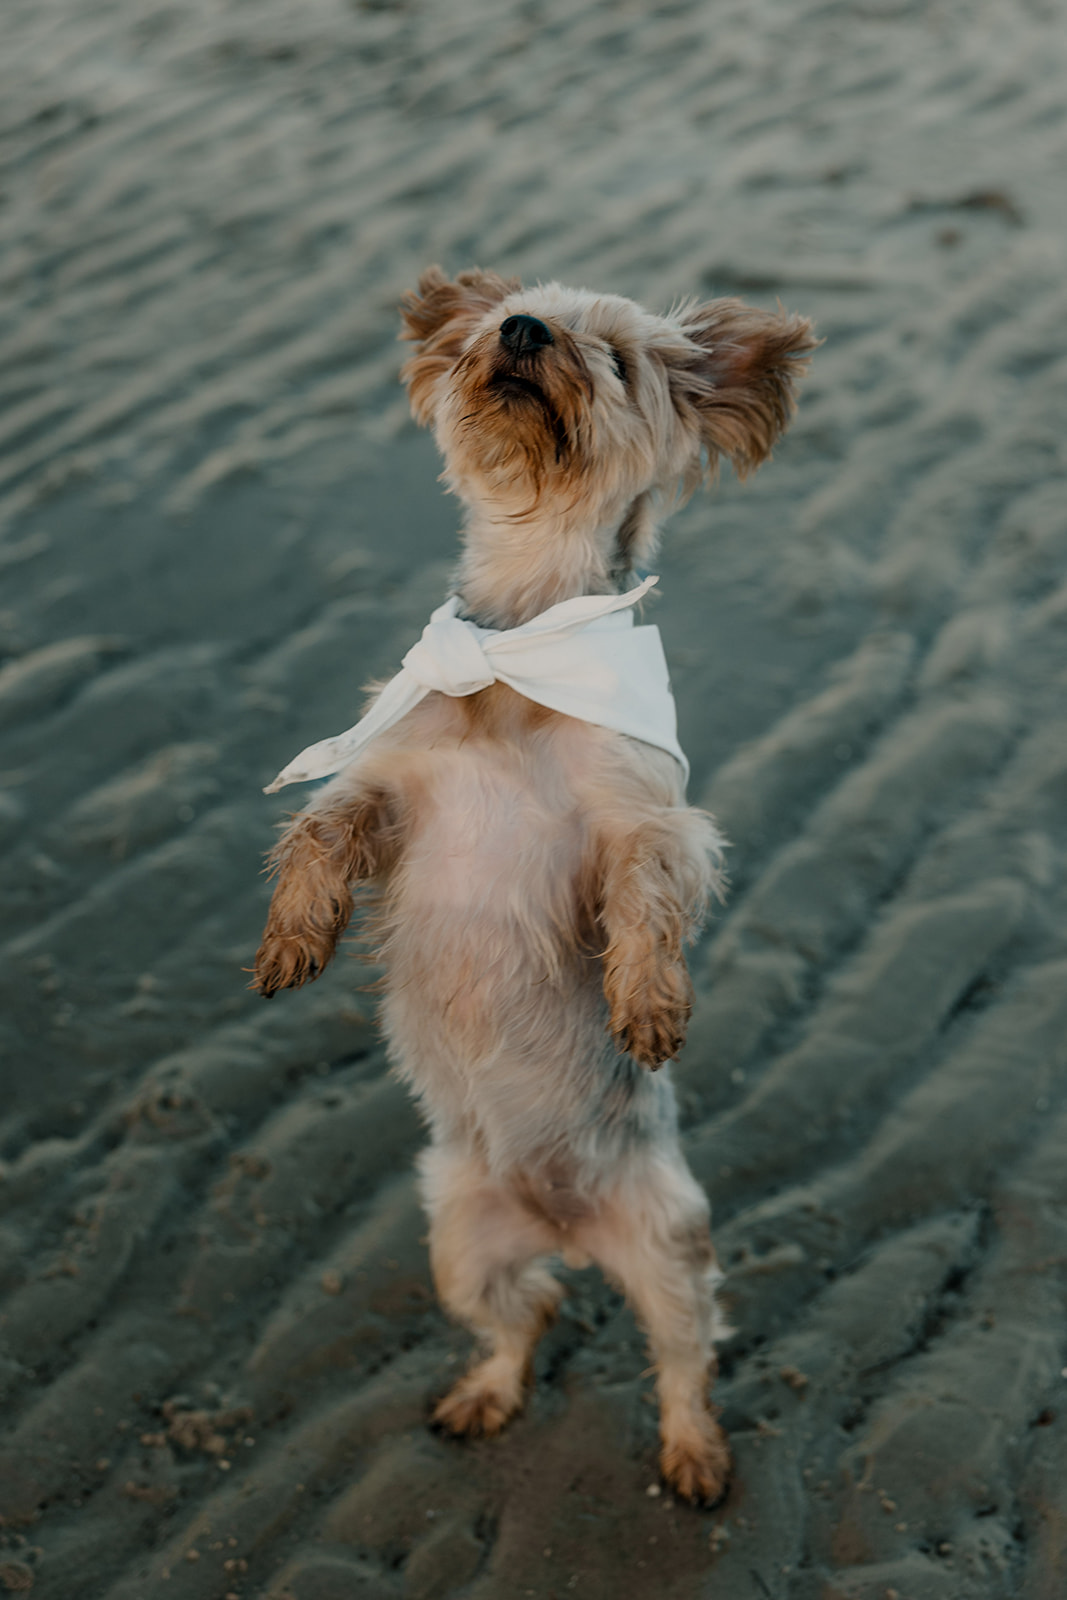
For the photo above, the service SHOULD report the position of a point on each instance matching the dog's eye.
(618, 361)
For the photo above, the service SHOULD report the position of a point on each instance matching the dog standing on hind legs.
(537, 869)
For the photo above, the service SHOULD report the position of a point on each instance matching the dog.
(539, 875)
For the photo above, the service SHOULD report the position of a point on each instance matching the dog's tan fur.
(538, 877)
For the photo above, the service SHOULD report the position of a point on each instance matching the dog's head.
(561, 401)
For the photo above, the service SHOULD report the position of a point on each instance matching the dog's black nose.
(524, 335)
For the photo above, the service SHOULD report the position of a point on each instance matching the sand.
(218, 1339)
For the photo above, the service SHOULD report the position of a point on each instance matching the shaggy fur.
(538, 877)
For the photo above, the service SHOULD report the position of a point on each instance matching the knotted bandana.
(583, 657)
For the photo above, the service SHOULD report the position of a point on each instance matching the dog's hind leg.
(484, 1245)
(650, 1235)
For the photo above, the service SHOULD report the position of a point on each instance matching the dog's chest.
(489, 826)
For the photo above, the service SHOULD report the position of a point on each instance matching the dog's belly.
(494, 1008)
(486, 898)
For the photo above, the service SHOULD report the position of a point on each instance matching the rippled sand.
(218, 1340)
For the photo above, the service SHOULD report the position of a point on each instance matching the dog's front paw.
(649, 1022)
(288, 961)
(652, 1040)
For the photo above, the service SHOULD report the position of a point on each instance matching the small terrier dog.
(537, 875)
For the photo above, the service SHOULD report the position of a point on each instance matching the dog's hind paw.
(697, 1463)
(477, 1406)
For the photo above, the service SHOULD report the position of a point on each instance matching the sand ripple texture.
(218, 1339)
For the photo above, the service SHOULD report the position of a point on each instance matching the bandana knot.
(583, 657)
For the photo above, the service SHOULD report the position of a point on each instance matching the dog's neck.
(513, 567)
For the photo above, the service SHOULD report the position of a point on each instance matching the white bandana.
(583, 657)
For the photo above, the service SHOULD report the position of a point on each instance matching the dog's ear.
(735, 383)
(440, 315)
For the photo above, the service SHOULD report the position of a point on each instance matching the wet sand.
(218, 1339)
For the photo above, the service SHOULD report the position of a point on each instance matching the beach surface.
(219, 1343)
